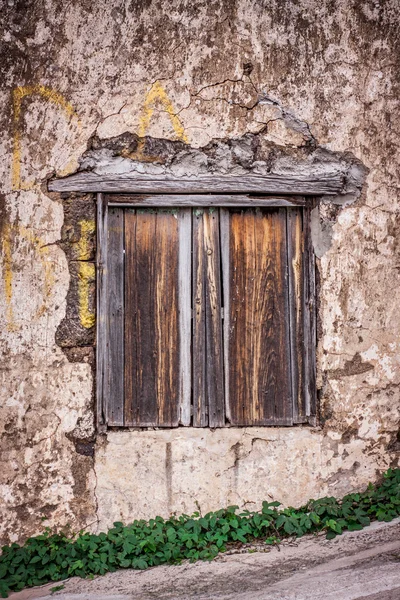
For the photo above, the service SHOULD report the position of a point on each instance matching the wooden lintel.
(294, 184)
(201, 200)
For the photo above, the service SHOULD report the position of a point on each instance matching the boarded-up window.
(208, 317)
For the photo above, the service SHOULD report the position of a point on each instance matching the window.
(206, 313)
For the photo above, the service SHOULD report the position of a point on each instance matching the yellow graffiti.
(19, 94)
(86, 273)
(8, 277)
(158, 94)
(87, 230)
(86, 276)
(9, 233)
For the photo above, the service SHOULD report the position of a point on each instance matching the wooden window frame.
(271, 190)
(104, 201)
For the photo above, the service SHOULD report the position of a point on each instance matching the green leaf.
(171, 534)
(225, 528)
(3, 570)
(280, 521)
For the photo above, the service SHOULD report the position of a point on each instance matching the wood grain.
(185, 313)
(131, 408)
(200, 408)
(295, 245)
(258, 347)
(213, 301)
(203, 201)
(310, 320)
(208, 374)
(152, 317)
(225, 265)
(297, 184)
(115, 318)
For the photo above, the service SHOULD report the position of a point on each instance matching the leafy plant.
(143, 544)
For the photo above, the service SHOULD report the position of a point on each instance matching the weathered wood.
(115, 317)
(269, 324)
(224, 229)
(185, 313)
(202, 201)
(310, 319)
(259, 353)
(200, 409)
(208, 377)
(131, 408)
(296, 310)
(297, 184)
(213, 301)
(101, 309)
(145, 275)
(153, 317)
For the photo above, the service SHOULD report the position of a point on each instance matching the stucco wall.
(307, 74)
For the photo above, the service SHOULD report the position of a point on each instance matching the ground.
(360, 565)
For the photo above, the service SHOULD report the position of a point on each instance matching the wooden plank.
(259, 353)
(101, 310)
(145, 283)
(296, 310)
(310, 320)
(224, 229)
(115, 317)
(200, 409)
(214, 344)
(198, 200)
(153, 318)
(167, 318)
(297, 184)
(185, 313)
(131, 408)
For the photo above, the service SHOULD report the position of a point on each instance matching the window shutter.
(209, 317)
(149, 357)
(208, 380)
(256, 315)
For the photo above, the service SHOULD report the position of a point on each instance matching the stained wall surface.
(299, 79)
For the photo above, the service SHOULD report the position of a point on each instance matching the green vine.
(56, 556)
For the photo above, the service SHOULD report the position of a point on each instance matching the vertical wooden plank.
(131, 408)
(224, 229)
(185, 313)
(145, 317)
(152, 317)
(259, 353)
(214, 345)
(166, 312)
(200, 408)
(101, 309)
(295, 248)
(310, 318)
(208, 376)
(280, 375)
(115, 317)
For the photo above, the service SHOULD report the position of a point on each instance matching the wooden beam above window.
(294, 184)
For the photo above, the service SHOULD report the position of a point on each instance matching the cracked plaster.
(308, 77)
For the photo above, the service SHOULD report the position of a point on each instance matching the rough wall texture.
(309, 75)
